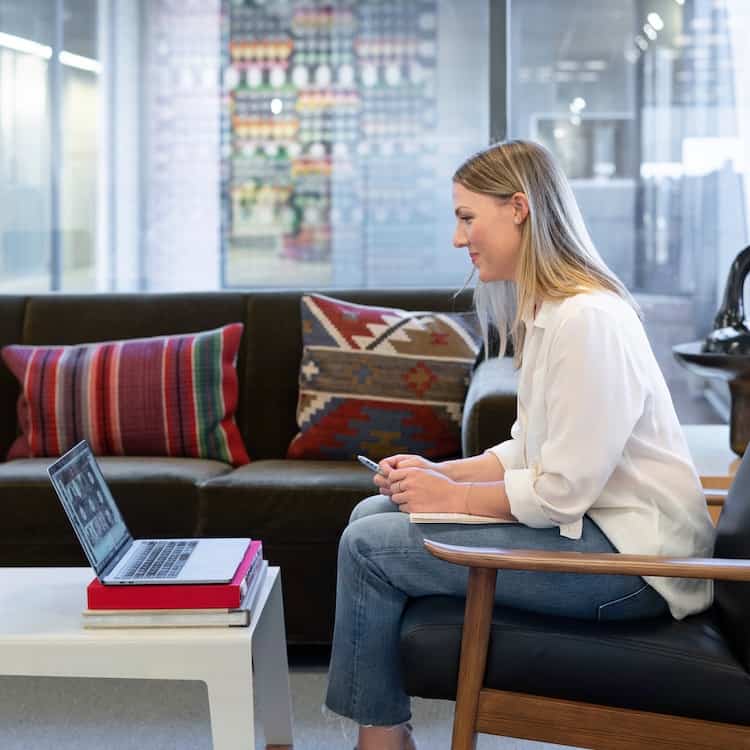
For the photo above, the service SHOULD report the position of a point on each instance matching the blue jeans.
(382, 563)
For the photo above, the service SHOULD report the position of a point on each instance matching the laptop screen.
(89, 505)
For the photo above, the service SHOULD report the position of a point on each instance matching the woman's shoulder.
(601, 311)
(609, 304)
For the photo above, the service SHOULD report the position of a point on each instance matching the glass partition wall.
(236, 142)
(645, 103)
(26, 36)
(49, 87)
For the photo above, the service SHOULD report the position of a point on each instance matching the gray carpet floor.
(92, 714)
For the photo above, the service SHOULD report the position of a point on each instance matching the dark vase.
(731, 334)
(725, 352)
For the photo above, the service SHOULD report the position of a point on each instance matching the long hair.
(557, 258)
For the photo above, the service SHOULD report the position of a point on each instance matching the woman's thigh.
(383, 537)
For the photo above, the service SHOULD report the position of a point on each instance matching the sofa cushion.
(688, 667)
(157, 497)
(160, 396)
(284, 500)
(379, 381)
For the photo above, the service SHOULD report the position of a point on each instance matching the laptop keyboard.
(159, 559)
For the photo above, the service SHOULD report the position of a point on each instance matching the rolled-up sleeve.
(510, 452)
(594, 395)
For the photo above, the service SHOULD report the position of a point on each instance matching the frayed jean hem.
(342, 715)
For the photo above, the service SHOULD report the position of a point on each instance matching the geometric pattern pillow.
(161, 396)
(380, 381)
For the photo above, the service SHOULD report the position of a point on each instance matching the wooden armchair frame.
(587, 725)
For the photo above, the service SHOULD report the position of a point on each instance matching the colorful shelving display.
(327, 120)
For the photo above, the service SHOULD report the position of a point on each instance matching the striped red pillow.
(162, 396)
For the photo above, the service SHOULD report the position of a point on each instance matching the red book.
(179, 595)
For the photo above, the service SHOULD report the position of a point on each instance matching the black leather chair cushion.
(691, 670)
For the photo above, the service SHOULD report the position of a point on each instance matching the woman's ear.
(520, 205)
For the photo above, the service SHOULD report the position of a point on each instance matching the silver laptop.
(114, 555)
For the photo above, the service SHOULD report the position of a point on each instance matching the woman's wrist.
(482, 468)
(484, 499)
(448, 469)
(461, 469)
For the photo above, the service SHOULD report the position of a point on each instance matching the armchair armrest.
(602, 563)
(490, 406)
(715, 497)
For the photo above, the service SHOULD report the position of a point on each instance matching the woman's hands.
(417, 490)
(417, 485)
(405, 460)
(400, 461)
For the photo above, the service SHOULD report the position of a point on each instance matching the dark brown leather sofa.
(298, 508)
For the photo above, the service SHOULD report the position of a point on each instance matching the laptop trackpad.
(214, 560)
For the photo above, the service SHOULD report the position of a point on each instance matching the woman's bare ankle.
(396, 737)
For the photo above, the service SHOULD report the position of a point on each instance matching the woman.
(596, 461)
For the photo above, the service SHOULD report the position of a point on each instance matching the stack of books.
(179, 605)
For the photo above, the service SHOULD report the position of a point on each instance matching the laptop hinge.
(116, 556)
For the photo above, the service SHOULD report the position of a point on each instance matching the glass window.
(80, 73)
(646, 107)
(276, 142)
(48, 144)
(26, 35)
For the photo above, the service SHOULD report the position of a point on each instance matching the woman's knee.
(353, 541)
(370, 506)
(374, 532)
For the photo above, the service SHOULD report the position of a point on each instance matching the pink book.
(180, 595)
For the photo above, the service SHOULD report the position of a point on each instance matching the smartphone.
(371, 465)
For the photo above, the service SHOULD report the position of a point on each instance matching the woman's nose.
(458, 239)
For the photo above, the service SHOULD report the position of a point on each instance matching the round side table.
(735, 369)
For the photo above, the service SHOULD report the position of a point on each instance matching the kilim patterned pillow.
(162, 396)
(380, 381)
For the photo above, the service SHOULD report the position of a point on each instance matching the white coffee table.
(41, 635)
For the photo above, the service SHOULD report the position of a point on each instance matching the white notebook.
(453, 518)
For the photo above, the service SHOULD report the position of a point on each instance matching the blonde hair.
(557, 258)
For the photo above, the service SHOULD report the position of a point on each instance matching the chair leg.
(480, 597)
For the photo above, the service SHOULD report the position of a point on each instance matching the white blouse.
(597, 434)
